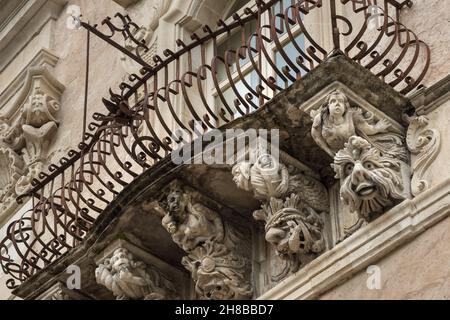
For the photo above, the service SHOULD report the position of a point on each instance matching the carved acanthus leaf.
(290, 201)
(218, 272)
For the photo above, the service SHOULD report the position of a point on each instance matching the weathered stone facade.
(361, 178)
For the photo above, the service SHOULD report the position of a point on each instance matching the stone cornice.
(428, 99)
(367, 245)
(26, 23)
(36, 78)
(43, 58)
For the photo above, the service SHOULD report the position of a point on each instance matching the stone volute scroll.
(291, 205)
(424, 143)
(217, 256)
(129, 278)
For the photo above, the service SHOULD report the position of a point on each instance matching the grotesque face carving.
(175, 201)
(131, 279)
(176, 208)
(370, 181)
(40, 109)
(189, 222)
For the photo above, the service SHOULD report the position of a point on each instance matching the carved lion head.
(370, 180)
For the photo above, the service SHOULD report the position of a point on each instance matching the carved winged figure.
(336, 121)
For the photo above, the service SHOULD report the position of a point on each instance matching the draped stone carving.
(131, 279)
(217, 266)
(291, 206)
(425, 143)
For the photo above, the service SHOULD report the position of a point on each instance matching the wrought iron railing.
(138, 129)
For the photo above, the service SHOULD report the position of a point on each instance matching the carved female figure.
(336, 121)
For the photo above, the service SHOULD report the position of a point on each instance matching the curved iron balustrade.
(138, 130)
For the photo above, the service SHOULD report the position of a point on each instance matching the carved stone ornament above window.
(27, 131)
(144, 33)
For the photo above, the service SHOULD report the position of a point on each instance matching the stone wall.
(430, 20)
(417, 270)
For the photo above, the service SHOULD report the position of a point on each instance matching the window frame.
(247, 68)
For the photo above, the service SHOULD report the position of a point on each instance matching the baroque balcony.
(112, 198)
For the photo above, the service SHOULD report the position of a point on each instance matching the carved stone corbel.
(29, 127)
(218, 272)
(131, 279)
(292, 202)
(371, 181)
(215, 256)
(366, 147)
(425, 144)
(336, 121)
